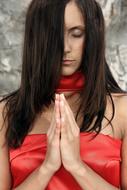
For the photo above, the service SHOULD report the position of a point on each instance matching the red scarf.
(74, 82)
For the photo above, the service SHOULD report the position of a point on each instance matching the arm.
(123, 116)
(33, 181)
(90, 180)
(87, 178)
(38, 180)
(5, 177)
(124, 163)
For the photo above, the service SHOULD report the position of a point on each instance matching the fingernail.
(55, 96)
(62, 96)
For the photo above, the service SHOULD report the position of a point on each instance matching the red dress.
(102, 154)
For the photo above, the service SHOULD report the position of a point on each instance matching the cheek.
(78, 45)
(78, 48)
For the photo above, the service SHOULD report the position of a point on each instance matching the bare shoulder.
(120, 102)
(120, 99)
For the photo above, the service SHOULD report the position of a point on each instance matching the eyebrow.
(77, 27)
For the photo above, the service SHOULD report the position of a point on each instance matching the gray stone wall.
(12, 17)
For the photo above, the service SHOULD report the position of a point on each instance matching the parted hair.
(43, 51)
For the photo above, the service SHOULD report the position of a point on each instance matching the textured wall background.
(12, 17)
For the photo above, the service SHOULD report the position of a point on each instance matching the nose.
(67, 46)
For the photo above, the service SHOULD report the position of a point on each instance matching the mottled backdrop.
(12, 17)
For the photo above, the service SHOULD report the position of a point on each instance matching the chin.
(68, 71)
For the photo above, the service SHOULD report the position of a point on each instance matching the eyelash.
(77, 36)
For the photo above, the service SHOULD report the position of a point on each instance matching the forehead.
(73, 16)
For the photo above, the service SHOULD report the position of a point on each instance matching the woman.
(65, 127)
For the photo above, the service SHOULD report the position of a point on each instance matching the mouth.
(67, 62)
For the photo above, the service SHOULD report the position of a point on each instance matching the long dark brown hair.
(41, 67)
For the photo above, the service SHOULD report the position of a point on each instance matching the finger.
(56, 135)
(62, 119)
(57, 117)
(71, 120)
(67, 105)
(57, 111)
(52, 125)
(56, 128)
(65, 131)
(53, 120)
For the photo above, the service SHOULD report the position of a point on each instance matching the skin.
(87, 178)
(63, 134)
(67, 140)
(74, 38)
(68, 134)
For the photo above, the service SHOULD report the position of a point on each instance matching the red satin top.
(102, 154)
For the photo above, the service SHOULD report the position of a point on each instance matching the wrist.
(44, 173)
(45, 169)
(48, 167)
(78, 169)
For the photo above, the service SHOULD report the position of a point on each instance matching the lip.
(68, 62)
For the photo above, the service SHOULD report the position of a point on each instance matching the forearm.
(37, 180)
(88, 179)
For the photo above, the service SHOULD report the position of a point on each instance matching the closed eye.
(77, 32)
(78, 35)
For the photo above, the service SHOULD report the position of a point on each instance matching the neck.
(71, 86)
(71, 83)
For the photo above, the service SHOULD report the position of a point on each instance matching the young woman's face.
(74, 39)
